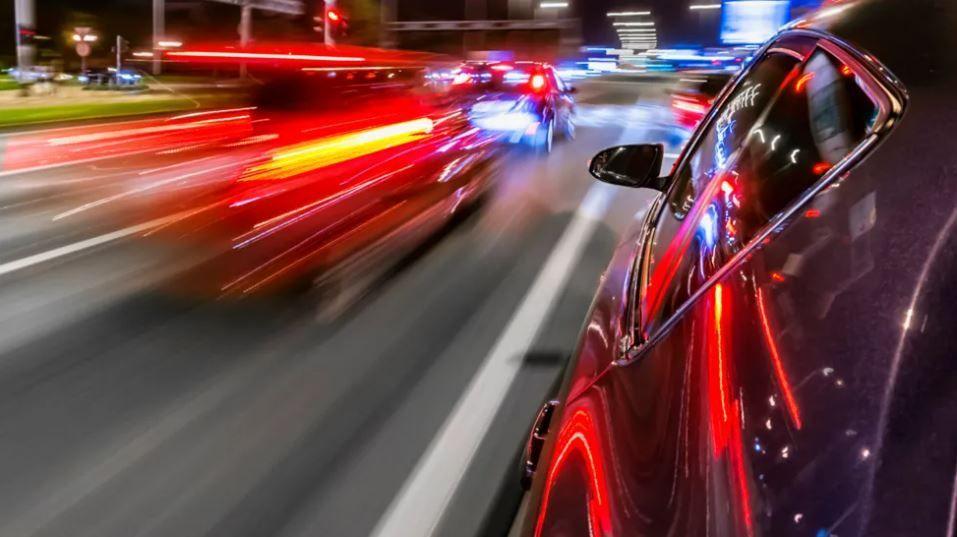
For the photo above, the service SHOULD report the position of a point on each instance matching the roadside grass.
(108, 108)
(7, 82)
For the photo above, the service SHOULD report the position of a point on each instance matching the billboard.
(747, 22)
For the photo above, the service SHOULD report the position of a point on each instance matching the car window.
(815, 122)
(785, 125)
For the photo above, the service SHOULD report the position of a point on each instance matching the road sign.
(83, 49)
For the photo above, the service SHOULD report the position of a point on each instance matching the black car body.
(773, 351)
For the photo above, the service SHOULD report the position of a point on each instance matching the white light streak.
(629, 13)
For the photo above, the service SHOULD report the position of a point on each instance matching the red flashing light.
(812, 213)
(778, 277)
(846, 71)
(538, 82)
(334, 16)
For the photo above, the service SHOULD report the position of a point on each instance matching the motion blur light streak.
(726, 426)
(337, 149)
(110, 135)
(789, 402)
(264, 56)
(578, 436)
(718, 376)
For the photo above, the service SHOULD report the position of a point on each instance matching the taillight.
(538, 82)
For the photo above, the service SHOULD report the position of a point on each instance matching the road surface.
(126, 412)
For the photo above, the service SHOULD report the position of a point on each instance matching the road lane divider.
(424, 497)
(86, 244)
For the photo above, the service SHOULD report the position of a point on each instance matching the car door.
(703, 427)
(564, 102)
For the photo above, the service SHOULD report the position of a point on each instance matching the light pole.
(25, 26)
(159, 30)
(328, 37)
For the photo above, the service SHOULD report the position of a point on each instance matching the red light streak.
(801, 82)
(718, 399)
(726, 427)
(789, 401)
(578, 435)
(289, 161)
(778, 277)
(264, 56)
(736, 456)
(812, 213)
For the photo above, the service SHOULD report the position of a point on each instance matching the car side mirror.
(636, 166)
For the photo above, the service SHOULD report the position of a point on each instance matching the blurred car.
(527, 102)
(103, 77)
(694, 95)
(345, 172)
(771, 351)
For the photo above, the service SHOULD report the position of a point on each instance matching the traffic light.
(337, 21)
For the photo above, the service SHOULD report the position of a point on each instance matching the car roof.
(914, 39)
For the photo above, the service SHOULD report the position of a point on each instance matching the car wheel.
(569, 129)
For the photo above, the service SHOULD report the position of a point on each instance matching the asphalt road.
(126, 412)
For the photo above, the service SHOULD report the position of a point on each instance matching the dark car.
(774, 350)
(527, 102)
(346, 171)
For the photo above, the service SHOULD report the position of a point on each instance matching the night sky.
(676, 24)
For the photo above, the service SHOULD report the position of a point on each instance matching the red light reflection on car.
(725, 410)
(789, 402)
(579, 436)
(802, 81)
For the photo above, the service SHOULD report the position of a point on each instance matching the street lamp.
(83, 36)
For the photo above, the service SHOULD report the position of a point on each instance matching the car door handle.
(536, 441)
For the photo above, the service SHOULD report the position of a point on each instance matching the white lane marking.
(418, 508)
(50, 255)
